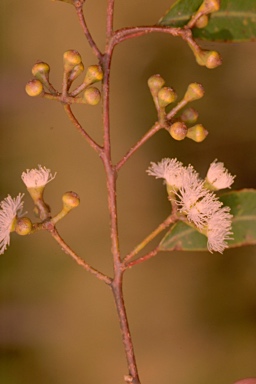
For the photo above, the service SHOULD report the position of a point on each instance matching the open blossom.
(200, 205)
(218, 176)
(36, 178)
(219, 230)
(11, 209)
(170, 170)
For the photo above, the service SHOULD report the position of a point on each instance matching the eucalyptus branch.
(93, 45)
(117, 289)
(169, 220)
(146, 257)
(80, 129)
(123, 34)
(110, 19)
(54, 233)
(156, 127)
(111, 175)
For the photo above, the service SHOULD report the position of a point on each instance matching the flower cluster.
(196, 201)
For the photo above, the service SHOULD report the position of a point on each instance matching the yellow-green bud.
(189, 116)
(202, 21)
(40, 69)
(166, 96)
(92, 96)
(209, 6)
(71, 58)
(70, 200)
(76, 71)
(209, 59)
(93, 74)
(23, 226)
(194, 92)
(178, 130)
(155, 83)
(197, 133)
(34, 87)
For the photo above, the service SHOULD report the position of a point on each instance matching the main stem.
(117, 289)
(111, 174)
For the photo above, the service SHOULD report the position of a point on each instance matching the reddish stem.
(156, 127)
(93, 45)
(80, 129)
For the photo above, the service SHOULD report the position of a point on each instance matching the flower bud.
(34, 88)
(94, 73)
(91, 96)
(209, 59)
(178, 130)
(75, 72)
(197, 133)
(155, 83)
(189, 116)
(202, 22)
(41, 71)
(194, 92)
(166, 96)
(209, 6)
(71, 58)
(23, 226)
(70, 200)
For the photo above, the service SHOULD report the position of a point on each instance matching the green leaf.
(234, 22)
(243, 208)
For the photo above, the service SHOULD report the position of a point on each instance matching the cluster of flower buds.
(207, 58)
(201, 17)
(73, 67)
(163, 96)
(11, 209)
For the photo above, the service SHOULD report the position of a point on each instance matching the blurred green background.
(192, 315)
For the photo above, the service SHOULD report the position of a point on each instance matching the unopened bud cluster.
(207, 58)
(163, 96)
(201, 18)
(73, 67)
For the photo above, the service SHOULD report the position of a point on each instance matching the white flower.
(170, 170)
(195, 201)
(11, 208)
(36, 178)
(203, 209)
(219, 230)
(218, 176)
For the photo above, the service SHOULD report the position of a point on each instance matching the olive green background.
(192, 315)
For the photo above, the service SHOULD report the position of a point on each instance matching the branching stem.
(80, 129)
(93, 45)
(169, 220)
(156, 127)
(54, 233)
(112, 39)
